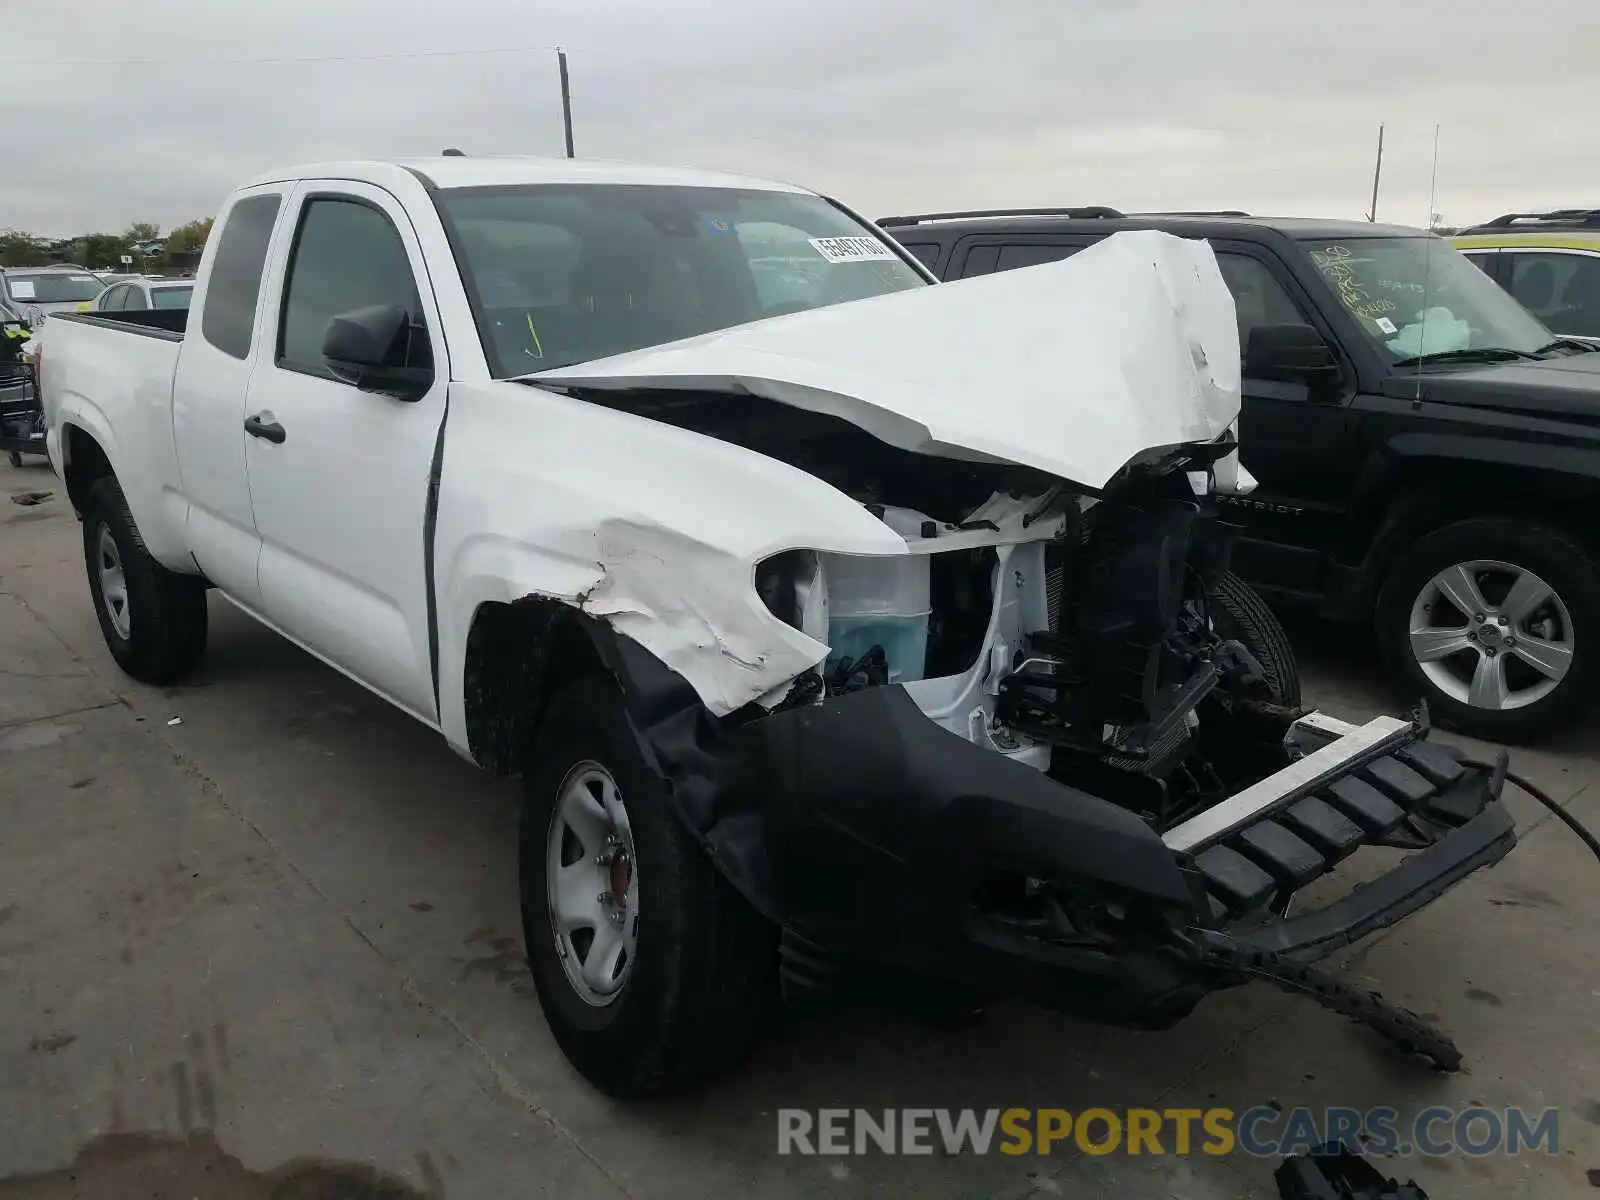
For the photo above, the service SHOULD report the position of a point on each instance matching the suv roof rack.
(1197, 212)
(1581, 218)
(1094, 211)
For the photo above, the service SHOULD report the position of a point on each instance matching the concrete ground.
(259, 938)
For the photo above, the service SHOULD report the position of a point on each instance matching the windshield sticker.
(719, 225)
(83, 279)
(1388, 326)
(22, 289)
(852, 249)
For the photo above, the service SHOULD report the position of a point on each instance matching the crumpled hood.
(1075, 368)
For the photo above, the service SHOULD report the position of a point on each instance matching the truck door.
(339, 475)
(208, 394)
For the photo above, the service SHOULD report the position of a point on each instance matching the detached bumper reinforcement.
(1416, 882)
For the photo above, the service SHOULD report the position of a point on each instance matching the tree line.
(152, 251)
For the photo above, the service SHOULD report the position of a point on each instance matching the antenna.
(1427, 263)
(566, 99)
(1377, 170)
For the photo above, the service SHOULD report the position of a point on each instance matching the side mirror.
(372, 348)
(1296, 352)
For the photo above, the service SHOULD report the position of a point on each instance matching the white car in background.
(36, 292)
(141, 294)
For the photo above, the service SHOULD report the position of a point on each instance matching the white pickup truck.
(856, 638)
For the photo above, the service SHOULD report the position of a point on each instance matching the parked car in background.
(39, 291)
(138, 295)
(1549, 261)
(1438, 478)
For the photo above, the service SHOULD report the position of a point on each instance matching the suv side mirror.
(372, 348)
(1296, 352)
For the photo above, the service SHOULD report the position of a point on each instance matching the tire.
(154, 623)
(688, 998)
(1477, 561)
(1240, 614)
(14, 458)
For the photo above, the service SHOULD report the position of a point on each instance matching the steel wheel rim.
(113, 582)
(589, 859)
(1491, 635)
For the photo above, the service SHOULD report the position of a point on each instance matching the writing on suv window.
(1416, 297)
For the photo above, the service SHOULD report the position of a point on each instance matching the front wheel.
(651, 969)
(1239, 614)
(1496, 622)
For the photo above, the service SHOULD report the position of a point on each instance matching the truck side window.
(926, 252)
(347, 255)
(229, 312)
(1258, 297)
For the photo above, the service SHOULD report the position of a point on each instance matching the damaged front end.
(1038, 763)
(1032, 756)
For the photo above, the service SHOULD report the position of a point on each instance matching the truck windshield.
(1417, 297)
(54, 287)
(560, 275)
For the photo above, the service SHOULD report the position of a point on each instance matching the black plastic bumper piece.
(1418, 881)
(1337, 1173)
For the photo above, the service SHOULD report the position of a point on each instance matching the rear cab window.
(234, 286)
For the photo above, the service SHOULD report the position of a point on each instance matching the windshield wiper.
(1469, 354)
(1576, 345)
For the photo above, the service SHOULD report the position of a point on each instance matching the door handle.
(263, 425)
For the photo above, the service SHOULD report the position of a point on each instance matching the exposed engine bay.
(1066, 631)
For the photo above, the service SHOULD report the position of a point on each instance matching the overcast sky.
(1268, 105)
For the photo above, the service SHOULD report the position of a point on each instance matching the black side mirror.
(373, 348)
(1296, 352)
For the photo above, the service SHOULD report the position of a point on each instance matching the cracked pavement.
(262, 927)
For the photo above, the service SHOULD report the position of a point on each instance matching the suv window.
(1031, 254)
(113, 298)
(1562, 290)
(133, 298)
(230, 306)
(347, 255)
(927, 253)
(1258, 296)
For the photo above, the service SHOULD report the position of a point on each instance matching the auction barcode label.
(852, 249)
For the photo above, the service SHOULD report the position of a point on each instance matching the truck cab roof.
(453, 171)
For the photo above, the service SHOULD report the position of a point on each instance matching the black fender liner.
(821, 812)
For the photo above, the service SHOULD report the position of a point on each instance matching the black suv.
(1428, 452)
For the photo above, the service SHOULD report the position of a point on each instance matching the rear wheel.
(153, 619)
(652, 970)
(1240, 614)
(1496, 622)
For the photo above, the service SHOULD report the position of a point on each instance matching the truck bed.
(166, 323)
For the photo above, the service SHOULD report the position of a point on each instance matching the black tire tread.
(721, 969)
(168, 635)
(1247, 618)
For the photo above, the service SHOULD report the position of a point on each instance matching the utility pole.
(566, 99)
(1377, 170)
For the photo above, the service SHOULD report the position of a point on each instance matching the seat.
(1534, 286)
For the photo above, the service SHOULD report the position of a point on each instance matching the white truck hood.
(1075, 368)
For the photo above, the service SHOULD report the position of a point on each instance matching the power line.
(251, 61)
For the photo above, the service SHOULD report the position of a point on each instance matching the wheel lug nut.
(1477, 617)
(604, 898)
(1490, 653)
